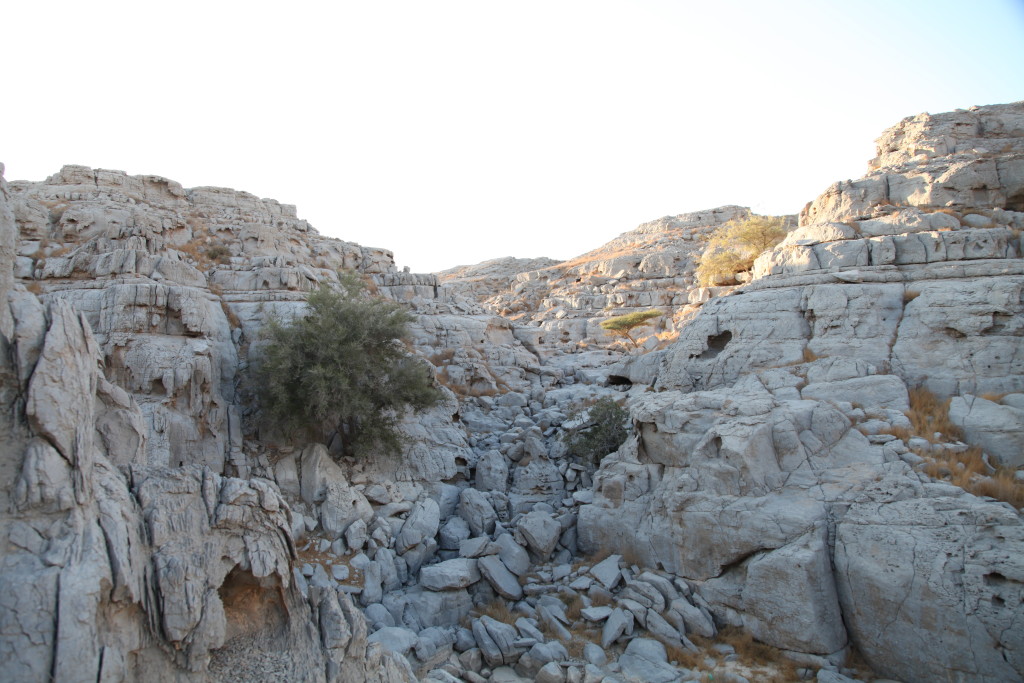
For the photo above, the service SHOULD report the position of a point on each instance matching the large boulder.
(933, 587)
(421, 524)
(450, 574)
(998, 429)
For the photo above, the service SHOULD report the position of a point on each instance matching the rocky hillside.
(651, 266)
(826, 459)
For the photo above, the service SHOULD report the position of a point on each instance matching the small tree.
(733, 247)
(343, 368)
(622, 325)
(601, 429)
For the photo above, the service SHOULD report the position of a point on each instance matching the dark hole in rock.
(251, 604)
(619, 381)
(716, 344)
(995, 579)
(1015, 202)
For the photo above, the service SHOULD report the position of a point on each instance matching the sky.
(453, 132)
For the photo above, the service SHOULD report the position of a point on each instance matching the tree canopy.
(733, 248)
(601, 429)
(343, 369)
(622, 325)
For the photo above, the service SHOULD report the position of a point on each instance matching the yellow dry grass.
(929, 416)
(496, 609)
(929, 419)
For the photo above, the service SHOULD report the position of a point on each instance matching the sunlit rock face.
(767, 461)
(156, 529)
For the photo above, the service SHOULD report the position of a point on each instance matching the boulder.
(875, 391)
(457, 573)
(998, 429)
(501, 579)
(394, 638)
(496, 641)
(607, 571)
(421, 525)
(342, 505)
(645, 660)
(477, 511)
(453, 533)
(492, 472)
(540, 531)
(946, 574)
(619, 623)
(513, 555)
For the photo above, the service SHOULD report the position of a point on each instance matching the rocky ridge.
(651, 266)
(771, 481)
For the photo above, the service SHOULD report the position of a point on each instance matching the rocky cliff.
(812, 459)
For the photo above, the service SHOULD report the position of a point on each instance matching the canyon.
(823, 459)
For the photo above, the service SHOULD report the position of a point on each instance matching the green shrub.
(734, 246)
(343, 369)
(601, 430)
(218, 252)
(622, 325)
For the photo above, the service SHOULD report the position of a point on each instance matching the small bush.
(218, 252)
(602, 430)
(733, 248)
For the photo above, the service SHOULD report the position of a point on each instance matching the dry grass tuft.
(233, 320)
(218, 253)
(442, 357)
(1003, 485)
(631, 557)
(573, 608)
(601, 600)
(575, 648)
(929, 415)
(810, 356)
(748, 649)
(496, 609)
(929, 419)
(685, 658)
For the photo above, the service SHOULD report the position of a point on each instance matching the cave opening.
(252, 604)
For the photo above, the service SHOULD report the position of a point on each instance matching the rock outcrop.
(766, 468)
(783, 473)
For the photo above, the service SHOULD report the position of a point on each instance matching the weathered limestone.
(154, 526)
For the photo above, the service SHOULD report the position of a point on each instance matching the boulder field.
(823, 463)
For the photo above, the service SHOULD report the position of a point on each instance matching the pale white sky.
(455, 132)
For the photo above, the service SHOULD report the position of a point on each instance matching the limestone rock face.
(967, 159)
(766, 459)
(649, 267)
(117, 566)
(194, 563)
(772, 479)
(951, 565)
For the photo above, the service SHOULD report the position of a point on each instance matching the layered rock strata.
(154, 529)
